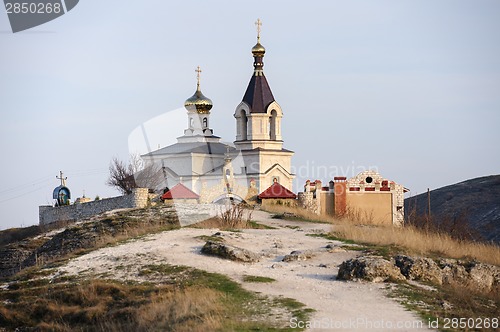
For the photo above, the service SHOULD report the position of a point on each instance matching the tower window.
(205, 122)
(272, 125)
(244, 125)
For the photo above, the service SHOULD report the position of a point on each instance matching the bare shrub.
(236, 216)
(121, 176)
(125, 177)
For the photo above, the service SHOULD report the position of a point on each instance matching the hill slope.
(477, 200)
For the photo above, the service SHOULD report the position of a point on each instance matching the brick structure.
(366, 197)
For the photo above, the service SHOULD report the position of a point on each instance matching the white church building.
(215, 170)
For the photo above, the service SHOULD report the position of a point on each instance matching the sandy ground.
(340, 306)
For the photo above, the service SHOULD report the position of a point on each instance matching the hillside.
(477, 201)
(137, 270)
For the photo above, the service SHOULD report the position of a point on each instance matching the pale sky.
(411, 87)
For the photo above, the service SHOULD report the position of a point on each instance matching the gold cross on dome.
(258, 24)
(198, 72)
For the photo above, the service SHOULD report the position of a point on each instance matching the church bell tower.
(258, 129)
(258, 116)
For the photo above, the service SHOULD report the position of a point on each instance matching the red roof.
(180, 191)
(276, 190)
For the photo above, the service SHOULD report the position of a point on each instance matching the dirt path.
(340, 306)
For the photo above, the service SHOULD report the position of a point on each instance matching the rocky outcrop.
(230, 252)
(298, 255)
(419, 268)
(473, 274)
(476, 275)
(12, 260)
(89, 234)
(371, 268)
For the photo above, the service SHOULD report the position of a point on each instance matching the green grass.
(212, 238)
(368, 249)
(331, 237)
(197, 298)
(257, 225)
(429, 304)
(162, 269)
(292, 217)
(249, 278)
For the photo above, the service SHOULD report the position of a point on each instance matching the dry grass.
(419, 242)
(111, 306)
(235, 217)
(415, 240)
(300, 213)
(193, 300)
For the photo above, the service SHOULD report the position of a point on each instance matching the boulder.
(484, 276)
(454, 272)
(371, 268)
(419, 268)
(298, 255)
(227, 251)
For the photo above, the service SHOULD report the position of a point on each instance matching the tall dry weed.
(419, 241)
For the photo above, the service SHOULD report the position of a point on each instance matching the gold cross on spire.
(258, 24)
(198, 72)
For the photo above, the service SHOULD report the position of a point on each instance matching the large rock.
(229, 252)
(371, 268)
(419, 268)
(484, 276)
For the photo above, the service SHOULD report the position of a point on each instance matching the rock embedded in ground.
(370, 268)
(477, 275)
(298, 255)
(230, 252)
(419, 268)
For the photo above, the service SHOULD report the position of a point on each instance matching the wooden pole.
(428, 206)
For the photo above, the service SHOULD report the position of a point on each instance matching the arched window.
(205, 123)
(244, 125)
(272, 125)
(191, 122)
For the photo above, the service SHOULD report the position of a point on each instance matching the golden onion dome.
(258, 49)
(198, 101)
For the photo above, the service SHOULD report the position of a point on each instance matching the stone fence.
(49, 214)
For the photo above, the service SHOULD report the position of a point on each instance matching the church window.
(244, 125)
(205, 122)
(272, 125)
(369, 179)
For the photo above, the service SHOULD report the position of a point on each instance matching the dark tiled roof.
(201, 147)
(180, 191)
(276, 190)
(258, 95)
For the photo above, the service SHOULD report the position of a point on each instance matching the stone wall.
(50, 214)
(308, 201)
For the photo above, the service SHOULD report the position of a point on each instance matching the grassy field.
(408, 238)
(434, 302)
(192, 300)
(188, 300)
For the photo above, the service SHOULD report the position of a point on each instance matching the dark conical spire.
(258, 94)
